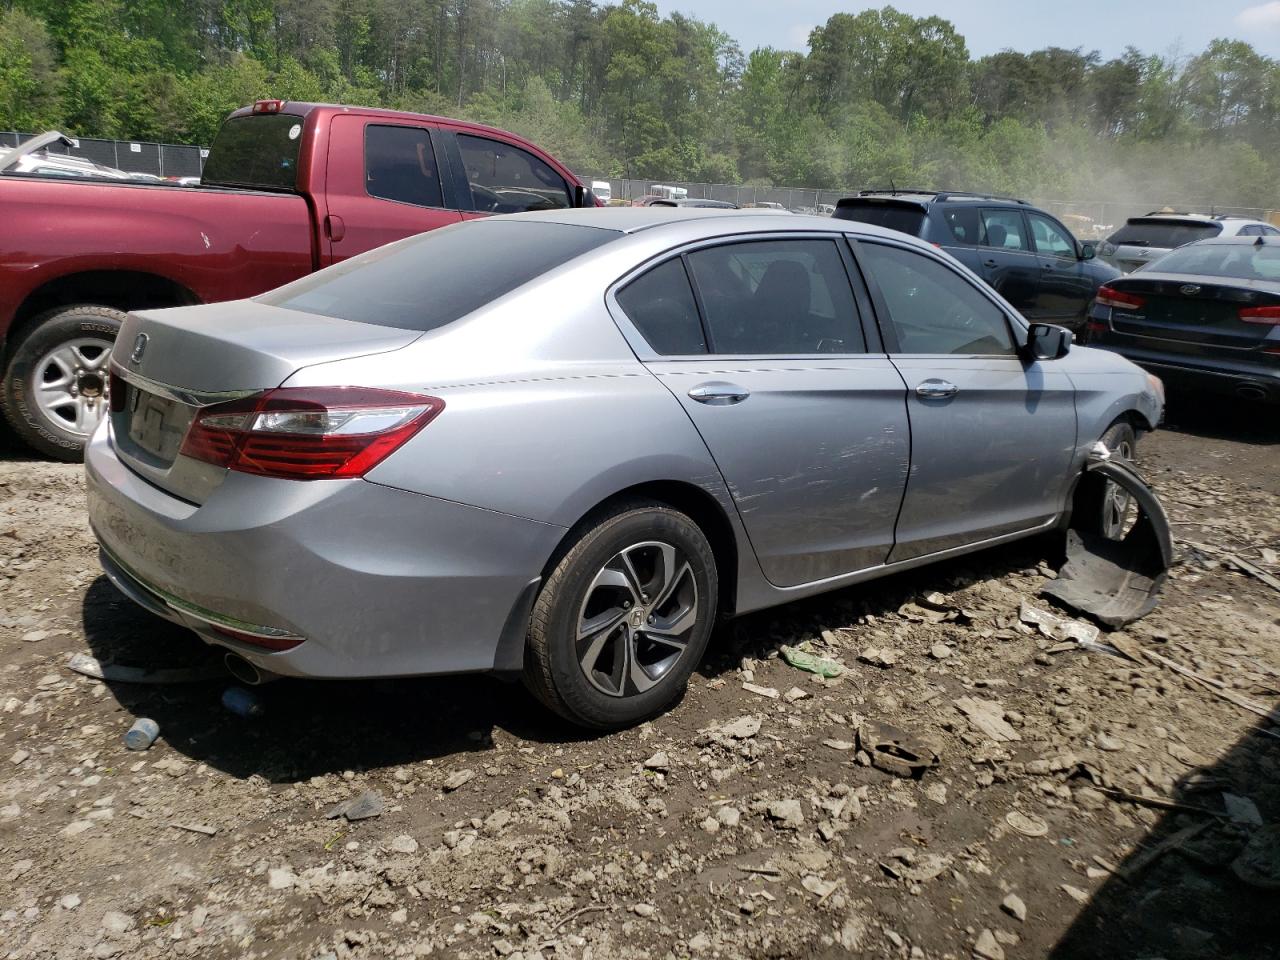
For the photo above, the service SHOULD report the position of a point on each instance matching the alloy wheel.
(636, 618)
(1116, 501)
(71, 386)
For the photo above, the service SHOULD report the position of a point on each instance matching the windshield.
(1141, 232)
(432, 279)
(1239, 261)
(260, 150)
(903, 217)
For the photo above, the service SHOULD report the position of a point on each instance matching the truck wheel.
(56, 382)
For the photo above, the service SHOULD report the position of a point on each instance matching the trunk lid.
(1194, 312)
(168, 364)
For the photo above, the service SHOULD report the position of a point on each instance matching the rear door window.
(964, 224)
(932, 309)
(1143, 232)
(507, 179)
(777, 297)
(1004, 229)
(400, 165)
(660, 303)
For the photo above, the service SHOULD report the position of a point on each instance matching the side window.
(660, 303)
(1251, 231)
(1004, 229)
(932, 309)
(964, 223)
(1270, 232)
(506, 179)
(400, 165)
(1050, 238)
(778, 297)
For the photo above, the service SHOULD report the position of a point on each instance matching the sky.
(988, 26)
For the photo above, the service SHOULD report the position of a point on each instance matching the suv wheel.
(624, 618)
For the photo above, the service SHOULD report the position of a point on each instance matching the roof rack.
(942, 194)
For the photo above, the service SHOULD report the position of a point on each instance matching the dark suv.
(1029, 257)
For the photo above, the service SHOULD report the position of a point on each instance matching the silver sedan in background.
(561, 445)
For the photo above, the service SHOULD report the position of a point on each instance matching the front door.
(992, 437)
(808, 430)
(1066, 287)
(383, 184)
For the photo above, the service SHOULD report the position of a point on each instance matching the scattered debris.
(802, 658)
(360, 807)
(770, 692)
(90, 666)
(987, 947)
(1258, 864)
(142, 734)
(988, 716)
(242, 702)
(877, 657)
(196, 828)
(1013, 905)
(895, 751)
(1027, 824)
(457, 779)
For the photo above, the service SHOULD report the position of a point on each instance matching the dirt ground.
(1130, 811)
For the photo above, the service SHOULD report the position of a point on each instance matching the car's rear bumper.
(1238, 378)
(378, 581)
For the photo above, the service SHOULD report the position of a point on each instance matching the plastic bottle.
(142, 734)
(242, 702)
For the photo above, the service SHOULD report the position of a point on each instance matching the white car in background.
(603, 190)
(1144, 239)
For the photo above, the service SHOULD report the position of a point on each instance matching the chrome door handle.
(934, 389)
(719, 394)
(990, 263)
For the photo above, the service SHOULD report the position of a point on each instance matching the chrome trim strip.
(197, 612)
(190, 398)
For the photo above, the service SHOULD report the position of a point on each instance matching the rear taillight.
(1111, 297)
(308, 433)
(1267, 315)
(1093, 326)
(268, 106)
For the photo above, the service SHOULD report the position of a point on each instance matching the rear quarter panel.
(218, 244)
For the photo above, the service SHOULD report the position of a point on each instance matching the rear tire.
(56, 381)
(624, 617)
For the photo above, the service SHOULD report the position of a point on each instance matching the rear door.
(803, 417)
(1007, 260)
(992, 437)
(383, 184)
(1066, 286)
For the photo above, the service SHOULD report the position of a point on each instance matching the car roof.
(1191, 218)
(1236, 240)
(709, 222)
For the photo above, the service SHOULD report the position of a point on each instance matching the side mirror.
(1046, 341)
(1088, 251)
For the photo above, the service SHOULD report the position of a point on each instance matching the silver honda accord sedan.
(561, 445)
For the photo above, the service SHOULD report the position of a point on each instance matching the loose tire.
(1103, 507)
(624, 618)
(56, 381)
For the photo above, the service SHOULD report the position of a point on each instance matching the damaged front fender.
(1114, 580)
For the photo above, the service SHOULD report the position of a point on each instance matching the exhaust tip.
(246, 672)
(1250, 392)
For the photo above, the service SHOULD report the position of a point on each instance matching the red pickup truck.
(287, 188)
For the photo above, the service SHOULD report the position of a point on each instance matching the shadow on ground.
(310, 728)
(1177, 897)
(1222, 418)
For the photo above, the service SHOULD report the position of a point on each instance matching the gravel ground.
(1083, 805)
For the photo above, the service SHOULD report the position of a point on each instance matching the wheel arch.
(119, 289)
(690, 499)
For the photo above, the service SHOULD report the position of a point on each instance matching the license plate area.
(154, 427)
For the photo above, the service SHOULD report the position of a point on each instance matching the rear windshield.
(437, 277)
(1139, 232)
(260, 151)
(1239, 261)
(905, 218)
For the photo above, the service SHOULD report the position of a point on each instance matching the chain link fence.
(1087, 219)
(132, 156)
